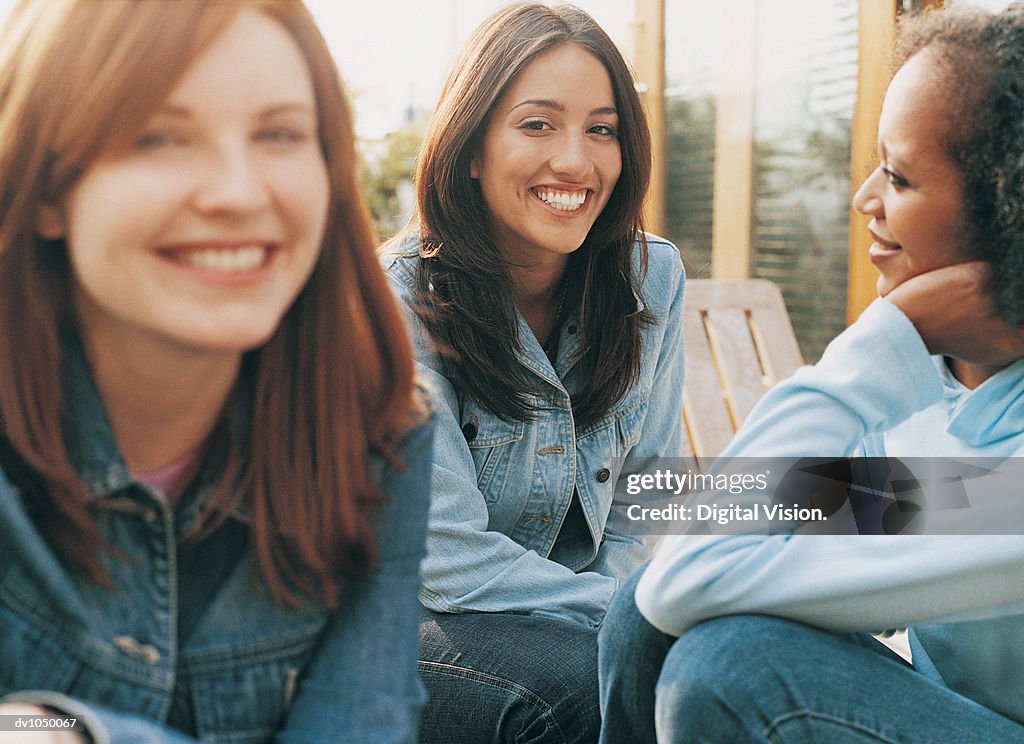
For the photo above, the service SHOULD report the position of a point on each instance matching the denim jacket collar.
(89, 437)
(533, 356)
(93, 449)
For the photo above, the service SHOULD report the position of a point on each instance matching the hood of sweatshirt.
(992, 412)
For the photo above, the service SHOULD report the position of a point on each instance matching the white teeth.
(564, 201)
(235, 259)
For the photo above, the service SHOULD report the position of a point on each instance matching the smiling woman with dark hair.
(550, 325)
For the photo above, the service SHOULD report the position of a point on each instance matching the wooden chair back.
(739, 342)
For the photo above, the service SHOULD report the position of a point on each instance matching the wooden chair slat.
(704, 408)
(739, 368)
(739, 343)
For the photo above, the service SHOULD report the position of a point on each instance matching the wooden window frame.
(877, 29)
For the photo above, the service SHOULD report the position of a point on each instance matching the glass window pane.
(692, 44)
(804, 87)
(804, 92)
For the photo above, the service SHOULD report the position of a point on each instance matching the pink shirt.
(164, 479)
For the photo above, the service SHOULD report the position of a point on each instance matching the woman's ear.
(50, 222)
(474, 168)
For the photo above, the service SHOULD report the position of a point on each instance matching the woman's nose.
(234, 183)
(868, 200)
(570, 157)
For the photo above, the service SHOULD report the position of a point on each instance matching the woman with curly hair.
(550, 326)
(213, 458)
(753, 638)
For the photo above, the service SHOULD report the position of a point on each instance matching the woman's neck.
(971, 375)
(538, 293)
(162, 400)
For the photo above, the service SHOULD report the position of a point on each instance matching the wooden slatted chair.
(739, 342)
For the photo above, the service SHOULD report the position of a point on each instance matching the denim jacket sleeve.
(661, 434)
(361, 684)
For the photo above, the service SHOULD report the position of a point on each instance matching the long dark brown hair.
(463, 283)
(79, 77)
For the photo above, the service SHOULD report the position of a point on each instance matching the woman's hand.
(953, 310)
(34, 735)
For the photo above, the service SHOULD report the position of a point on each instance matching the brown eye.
(894, 178)
(535, 125)
(605, 130)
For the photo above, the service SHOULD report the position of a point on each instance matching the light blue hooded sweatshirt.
(876, 391)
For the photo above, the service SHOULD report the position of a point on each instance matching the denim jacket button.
(603, 475)
(143, 652)
(469, 429)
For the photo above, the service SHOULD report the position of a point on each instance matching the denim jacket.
(189, 645)
(501, 491)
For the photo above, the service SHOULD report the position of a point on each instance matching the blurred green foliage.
(386, 173)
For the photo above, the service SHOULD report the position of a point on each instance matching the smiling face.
(550, 157)
(202, 232)
(915, 195)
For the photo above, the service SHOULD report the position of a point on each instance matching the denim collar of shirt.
(92, 447)
(533, 356)
(88, 436)
(569, 348)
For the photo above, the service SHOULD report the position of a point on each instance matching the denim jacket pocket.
(243, 694)
(492, 442)
(31, 657)
(624, 423)
(630, 423)
(43, 648)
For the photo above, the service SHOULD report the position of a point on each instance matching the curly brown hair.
(980, 56)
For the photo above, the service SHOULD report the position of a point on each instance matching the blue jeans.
(752, 678)
(497, 677)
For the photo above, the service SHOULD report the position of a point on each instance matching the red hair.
(334, 382)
